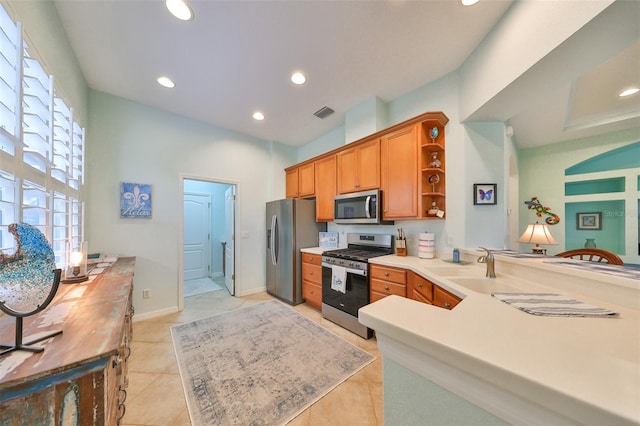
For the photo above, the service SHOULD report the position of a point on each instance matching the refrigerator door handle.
(274, 239)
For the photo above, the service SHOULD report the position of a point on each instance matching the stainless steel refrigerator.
(291, 226)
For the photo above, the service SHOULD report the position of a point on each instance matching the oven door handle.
(349, 270)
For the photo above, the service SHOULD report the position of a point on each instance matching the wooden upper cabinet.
(359, 167)
(325, 169)
(300, 181)
(292, 183)
(399, 170)
(306, 180)
(406, 162)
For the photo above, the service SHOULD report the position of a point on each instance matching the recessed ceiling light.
(180, 9)
(166, 82)
(469, 2)
(629, 92)
(298, 78)
(258, 116)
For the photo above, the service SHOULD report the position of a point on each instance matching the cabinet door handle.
(419, 285)
(447, 305)
(386, 274)
(311, 273)
(386, 287)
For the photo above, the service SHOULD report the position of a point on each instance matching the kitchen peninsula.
(81, 377)
(485, 362)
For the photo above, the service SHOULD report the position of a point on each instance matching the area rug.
(259, 365)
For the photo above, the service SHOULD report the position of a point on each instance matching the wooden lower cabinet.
(386, 280)
(81, 377)
(420, 288)
(444, 299)
(312, 279)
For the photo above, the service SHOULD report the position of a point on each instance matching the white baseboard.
(252, 291)
(155, 314)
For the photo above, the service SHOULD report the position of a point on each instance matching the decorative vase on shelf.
(435, 163)
(590, 243)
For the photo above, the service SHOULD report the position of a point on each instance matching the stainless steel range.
(345, 279)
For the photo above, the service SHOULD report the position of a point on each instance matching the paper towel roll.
(426, 245)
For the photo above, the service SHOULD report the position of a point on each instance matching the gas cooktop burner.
(362, 247)
(361, 255)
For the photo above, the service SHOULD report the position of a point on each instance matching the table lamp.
(76, 271)
(537, 233)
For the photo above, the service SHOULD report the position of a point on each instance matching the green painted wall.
(542, 175)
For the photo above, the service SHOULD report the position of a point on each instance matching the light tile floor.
(155, 395)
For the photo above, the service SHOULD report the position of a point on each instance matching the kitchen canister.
(426, 245)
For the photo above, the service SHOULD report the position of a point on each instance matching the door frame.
(209, 179)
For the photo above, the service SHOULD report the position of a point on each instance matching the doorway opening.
(208, 237)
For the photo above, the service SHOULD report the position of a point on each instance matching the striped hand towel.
(550, 304)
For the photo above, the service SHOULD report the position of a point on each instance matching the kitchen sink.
(486, 285)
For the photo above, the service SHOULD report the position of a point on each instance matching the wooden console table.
(81, 377)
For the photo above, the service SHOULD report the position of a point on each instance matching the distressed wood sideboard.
(81, 377)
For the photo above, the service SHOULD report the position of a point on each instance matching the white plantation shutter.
(35, 206)
(62, 135)
(41, 148)
(37, 110)
(7, 210)
(60, 226)
(77, 157)
(10, 55)
(76, 216)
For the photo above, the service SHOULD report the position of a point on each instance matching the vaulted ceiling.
(236, 57)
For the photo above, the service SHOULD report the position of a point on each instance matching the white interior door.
(230, 226)
(197, 223)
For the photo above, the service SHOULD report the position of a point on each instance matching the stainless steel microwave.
(358, 208)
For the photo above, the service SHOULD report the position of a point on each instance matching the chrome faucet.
(490, 261)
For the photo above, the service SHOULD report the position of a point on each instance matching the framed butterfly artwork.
(485, 193)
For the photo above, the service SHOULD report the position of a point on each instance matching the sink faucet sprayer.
(489, 260)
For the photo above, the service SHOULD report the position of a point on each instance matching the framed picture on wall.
(135, 200)
(589, 221)
(485, 193)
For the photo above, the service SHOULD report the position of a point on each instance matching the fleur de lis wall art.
(535, 204)
(135, 200)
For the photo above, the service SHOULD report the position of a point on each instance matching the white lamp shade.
(537, 233)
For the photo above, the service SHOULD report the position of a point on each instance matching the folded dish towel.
(339, 279)
(551, 305)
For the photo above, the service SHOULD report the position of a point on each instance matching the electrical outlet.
(146, 293)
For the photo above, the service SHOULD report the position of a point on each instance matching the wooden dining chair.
(593, 255)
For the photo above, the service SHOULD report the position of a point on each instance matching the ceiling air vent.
(323, 112)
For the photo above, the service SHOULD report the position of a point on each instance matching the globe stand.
(19, 346)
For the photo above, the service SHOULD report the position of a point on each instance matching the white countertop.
(585, 369)
(317, 250)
